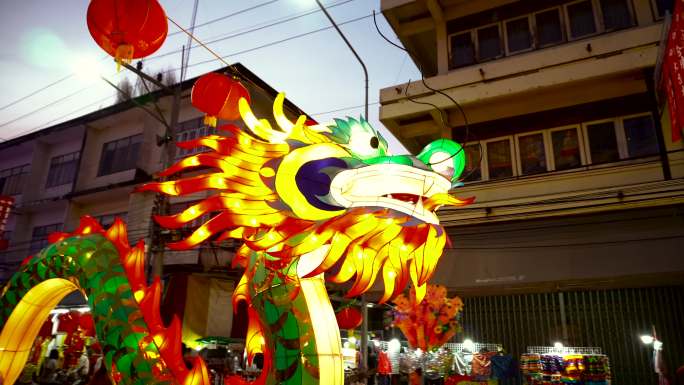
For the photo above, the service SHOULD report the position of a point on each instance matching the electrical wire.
(441, 112)
(41, 89)
(192, 65)
(228, 16)
(287, 39)
(248, 31)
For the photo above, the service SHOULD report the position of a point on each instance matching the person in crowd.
(50, 368)
(82, 368)
(372, 363)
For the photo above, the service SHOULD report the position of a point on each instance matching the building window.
(62, 169)
(603, 145)
(549, 29)
(462, 50)
(616, 14)
(39, 238)
(179, 207)
(12, 180)
(581, 21)
(120, 155)
(518, 36)
(107, 220)
(488, 43)
(532, 154)
(566, 151)
(662, 6)
(640, 136)
(189, 130)
(472, 171)
(499, 163)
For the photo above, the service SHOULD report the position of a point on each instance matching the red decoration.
(68, 322)
(5, 208)
(672, 79)
(349, 318)
(87, 325)
(430, 323)
(127, 29)
(46, 329)
(217, 95)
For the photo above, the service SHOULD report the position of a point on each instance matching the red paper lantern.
(127, 29)
(217, 95)
(349, 318)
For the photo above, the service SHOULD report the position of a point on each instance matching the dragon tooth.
(419, 205)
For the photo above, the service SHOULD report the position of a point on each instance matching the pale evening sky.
(47, 40)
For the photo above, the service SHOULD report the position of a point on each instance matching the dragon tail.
(137, 347)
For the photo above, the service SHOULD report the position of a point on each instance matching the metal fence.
(611, 319)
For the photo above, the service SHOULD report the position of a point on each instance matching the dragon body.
(306, 201)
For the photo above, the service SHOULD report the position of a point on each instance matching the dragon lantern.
(307, 201)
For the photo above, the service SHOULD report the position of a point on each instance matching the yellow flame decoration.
(255, 202)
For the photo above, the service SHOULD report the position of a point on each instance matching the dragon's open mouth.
(395, 186)
(411, 198)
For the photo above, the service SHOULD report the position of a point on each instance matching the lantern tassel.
(124, 54)
(210, 120)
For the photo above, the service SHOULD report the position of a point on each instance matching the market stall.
(545, 365)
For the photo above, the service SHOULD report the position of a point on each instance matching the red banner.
(673, 71)
(5, 207)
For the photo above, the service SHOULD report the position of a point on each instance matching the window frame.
(24, 171)
(531, 29)
(599, 10)
(621, 120)
(654, 9)
(184, 135)
(580, 144)
(120, 214)
(485, 157)
(482, 158)
(450, 51)
(76, 157)
(476, 41)
(59, 226)
(561, 20)
(111, 171)
(621, 143)
(598, 24)
(547, 150)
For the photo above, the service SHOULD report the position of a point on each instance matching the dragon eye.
(375, 142)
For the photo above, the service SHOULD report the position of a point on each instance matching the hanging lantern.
(127, 29)
(217, 95)
(349, 318)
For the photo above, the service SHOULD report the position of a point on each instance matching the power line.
(290, 38)
(45, 106)
(193, 65)
(21, 99)
(255, 29)
(39, 90)
(229, 15)
(344, 109)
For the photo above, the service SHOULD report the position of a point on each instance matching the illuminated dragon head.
(332, 196)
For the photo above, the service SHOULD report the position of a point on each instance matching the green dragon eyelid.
(357, 137)
(445, 157)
